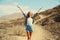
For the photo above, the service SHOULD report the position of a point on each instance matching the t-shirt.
(29, 21)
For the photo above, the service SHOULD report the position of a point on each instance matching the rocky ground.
(38, 34)
(46, 26)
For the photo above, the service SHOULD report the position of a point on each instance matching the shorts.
(29, 28)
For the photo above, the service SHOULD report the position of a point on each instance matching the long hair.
(29, 14)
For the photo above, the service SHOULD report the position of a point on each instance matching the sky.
(8, 7)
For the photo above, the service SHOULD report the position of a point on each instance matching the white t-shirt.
(29, 21)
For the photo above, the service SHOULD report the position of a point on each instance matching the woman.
(29, 24)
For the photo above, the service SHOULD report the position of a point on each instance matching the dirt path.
(41, 34)
(38, 34)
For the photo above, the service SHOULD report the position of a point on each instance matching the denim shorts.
(29, 28)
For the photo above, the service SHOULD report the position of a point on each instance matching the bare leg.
(28, 36)
(30, 33)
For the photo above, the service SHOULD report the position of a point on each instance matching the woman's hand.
(39, 10)
(20, 9)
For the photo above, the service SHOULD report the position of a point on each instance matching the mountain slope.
(11, 17)
(47, 28)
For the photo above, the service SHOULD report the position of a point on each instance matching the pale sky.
(8, 7)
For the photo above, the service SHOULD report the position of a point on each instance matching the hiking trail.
(38, 34)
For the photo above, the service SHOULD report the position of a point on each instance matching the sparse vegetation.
(16, 26)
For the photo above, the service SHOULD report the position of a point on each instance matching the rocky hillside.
(52, 22)
(48, 20)
(11, 17)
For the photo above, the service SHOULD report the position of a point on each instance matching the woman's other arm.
(36, 14)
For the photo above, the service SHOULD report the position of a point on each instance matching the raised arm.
(21, 11)
(39, 10)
